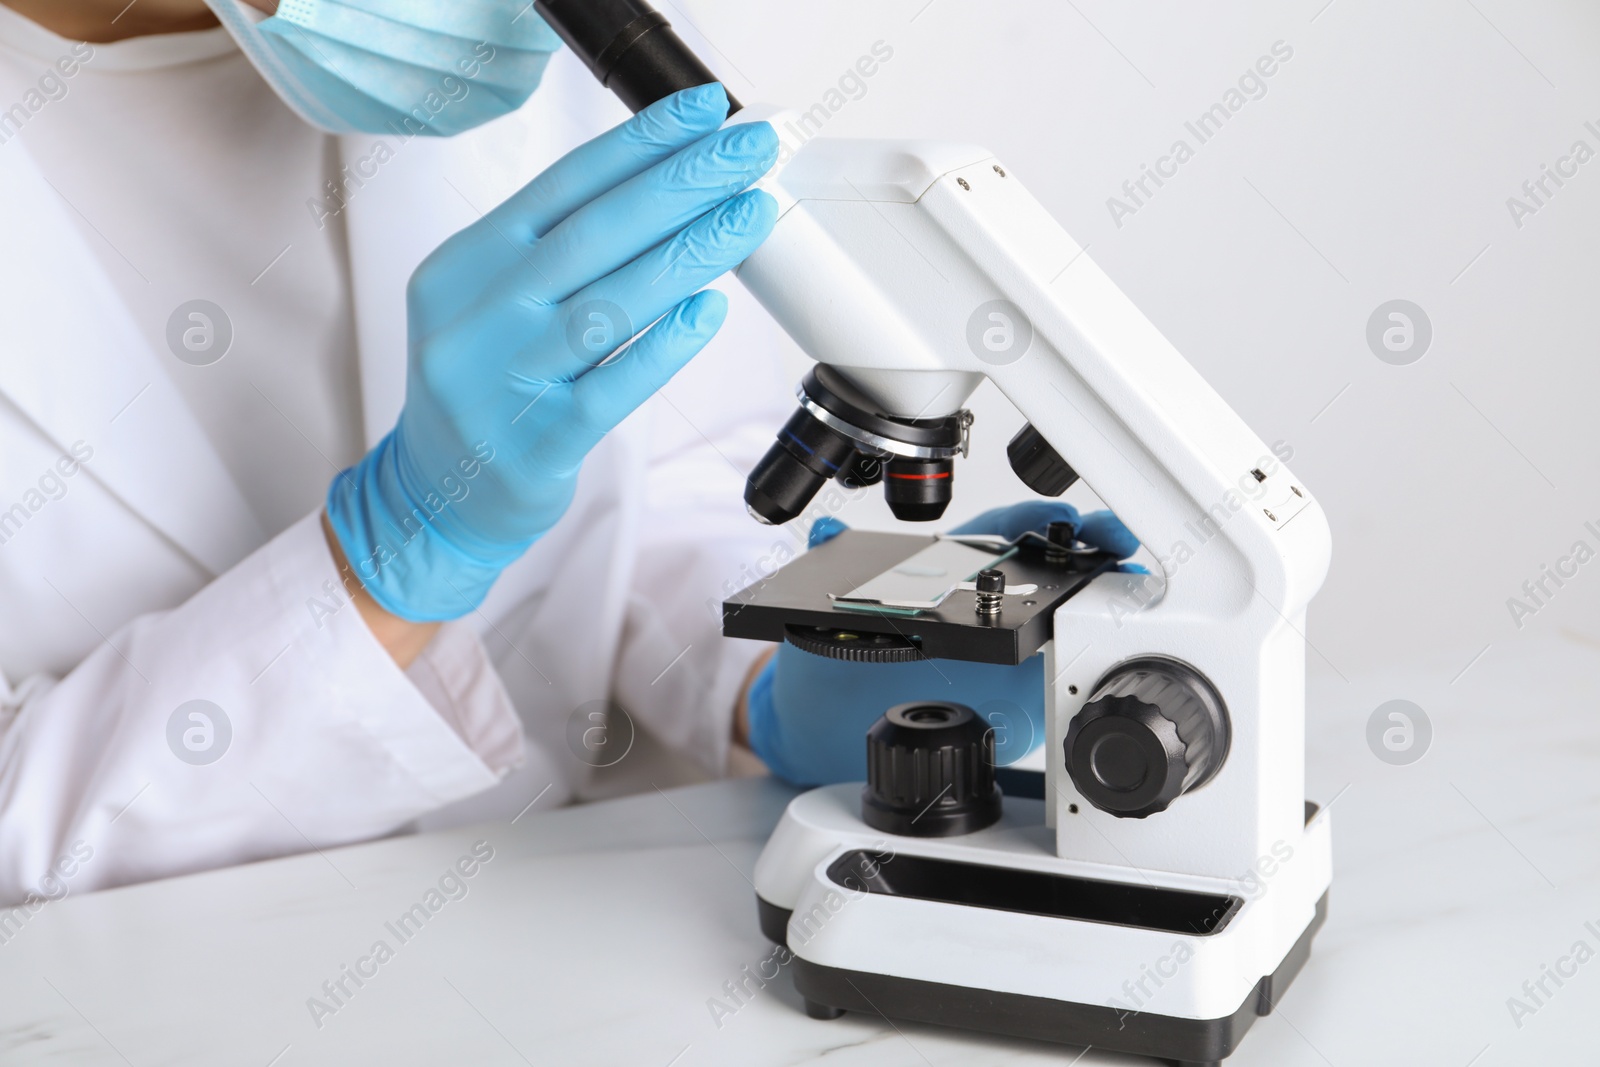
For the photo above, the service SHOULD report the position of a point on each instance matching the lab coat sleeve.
(697, 545)
(311, 735)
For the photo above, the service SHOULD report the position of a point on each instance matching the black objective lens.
(806, 455)
(809, 452)
(864, 469)
(918, 490)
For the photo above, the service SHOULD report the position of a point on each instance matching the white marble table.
(596, 935)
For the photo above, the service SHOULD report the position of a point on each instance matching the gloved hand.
(401, 67)
(809, 715)
(511, 377)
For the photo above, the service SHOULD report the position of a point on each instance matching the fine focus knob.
(930, 771)
(1152, 731)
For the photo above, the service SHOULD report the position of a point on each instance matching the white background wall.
(1376, 166)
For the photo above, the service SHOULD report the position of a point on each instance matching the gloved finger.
(610, 393)
(502, 242)
(824, 530)
(646, 288)
(1014, 520)
(1105, 531)
(645, 210)
(607, 161)
(1102, 529)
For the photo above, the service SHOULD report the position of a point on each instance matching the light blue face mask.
(396, 66)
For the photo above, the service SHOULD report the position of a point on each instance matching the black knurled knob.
(1038, 464)
(930, 771)
(1153, 730)
(990, 581)
(1061, 541)
(854, 646)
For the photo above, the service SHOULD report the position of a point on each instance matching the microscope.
(1158, 886)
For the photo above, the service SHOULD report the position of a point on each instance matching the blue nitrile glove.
(512, 321)
(809, 715)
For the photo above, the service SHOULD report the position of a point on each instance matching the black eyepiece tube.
(630, 47)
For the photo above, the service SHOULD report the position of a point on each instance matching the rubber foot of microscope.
(1197, 1063)
(822, 1011)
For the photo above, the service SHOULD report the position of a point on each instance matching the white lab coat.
(146, 584)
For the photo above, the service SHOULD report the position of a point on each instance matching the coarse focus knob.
(930, 771)
(1153, 730)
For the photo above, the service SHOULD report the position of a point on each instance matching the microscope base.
(990, 932)
(830, 992)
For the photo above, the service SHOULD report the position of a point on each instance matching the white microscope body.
(891, 262)
(1166, 885)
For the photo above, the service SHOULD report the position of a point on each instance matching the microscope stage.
(797, 595)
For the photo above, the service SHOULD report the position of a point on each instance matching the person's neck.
(104, 21)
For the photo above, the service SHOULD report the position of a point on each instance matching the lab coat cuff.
(448, 723)
(455, 675)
